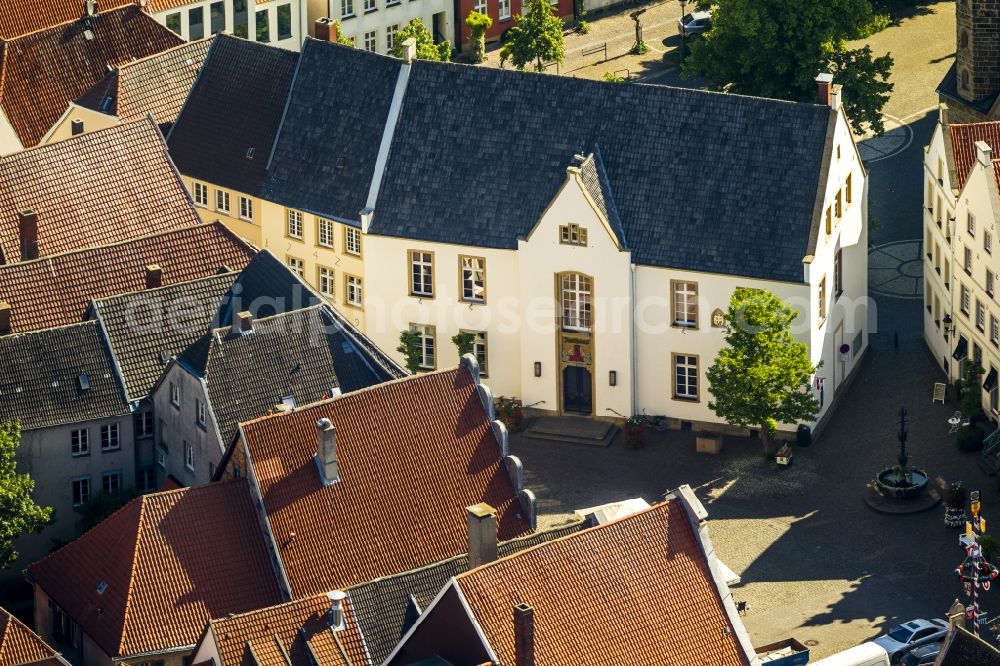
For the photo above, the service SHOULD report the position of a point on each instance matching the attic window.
(106, 105)
(101, 587)
(83, 381)
(340, 165)
(164, 356)
(572, 234)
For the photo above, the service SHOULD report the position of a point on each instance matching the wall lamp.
(613, 377)
(949, 328)
(538, 368)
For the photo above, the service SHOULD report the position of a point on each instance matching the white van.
(866, 654)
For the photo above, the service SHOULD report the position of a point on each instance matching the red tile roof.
(963, 146)
(43, 71)
(93, 189)
(19, 17)
(413, 453)
(20, 645)
(56, 291)
(149, 577)
(301, 627)
(637, 591)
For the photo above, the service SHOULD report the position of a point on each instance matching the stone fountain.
(901, 488)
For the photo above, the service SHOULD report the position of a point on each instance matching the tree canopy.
(761, 377)
(478, 25)
(426, 48)
(775, 48)
(18, 512)
(536, 38)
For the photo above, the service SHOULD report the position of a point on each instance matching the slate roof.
(595, 181)
(266, 287)
(288, 355)
(146, 328)
(963, 146)
(19, 645)
(57, 290)
(166, 561)
(381, 605)
(948, 88)
(46, 70)
(93, 189)
(301, 627)
(18, 17)
(724, 184)
(962, 648)
(324, 158)
(39, 385)
(156, 85)
(226, 129)
(641, 585)
(412, 454)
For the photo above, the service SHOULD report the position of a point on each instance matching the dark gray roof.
(146, 328)
(380, 606)
(40, 383)
(961, 648)
(949, 89)
(294, 355)
(702, 181)
(595, 180)
(227, 126)
(325, 155)
(265, 287)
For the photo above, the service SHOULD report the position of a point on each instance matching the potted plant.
(511, 413)
(635, 431)
(954, 505)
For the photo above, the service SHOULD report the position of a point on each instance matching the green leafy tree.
(775, 48)
(426, 48)
(409, 347)
(970, 385)
(342, 38)
(18, 512)
(761, 377)
(478, 24)
(464, 342)
(537, 38)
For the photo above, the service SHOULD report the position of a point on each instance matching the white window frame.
(370, 6)
(201, 413)
(504, 9)
(246, 208)
(427, 344)
(995, 330)
(980, 315)
(200, 194)
(324, 232)
(421, 273)
(80, 497)
(355, 293)
(352, 241)
(990, 279)
(325, 280)
(175, 395)
(390, 34)
(107, 483)
(188, 456)
(222, 201)
(473, 279)
(296, 265)
(481, 6)
(970, 224)
(685, 376)
(80, 440)
(967, 256)
(111, 439)
(294, 224)
(987, 242)
(371, 40)
(480, 349)
(965, 303)
(346, 8)
(576, 301)
(141, 424)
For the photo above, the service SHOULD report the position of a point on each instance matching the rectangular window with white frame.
(685, 377)
(987, 242)
(222, 201)
(966, 300)
(989, 281)
(81, 490)
(246, 209)
(144, 423)
(294, 224)
(968, 259)
(110, 437)
(995, 331)
(821, 300)
(201, 413)
(80, 442)
(175, 395)
(473, 276)
(296, 265)
(324, 280)
(352, 241)
(200, 194)
(980, 315)
(577, 301)
(572, 234)
(370, 6)
(481, 6)
(504, 9)
(684, 303)
(188, 455)
(421, 273)
(111, 482)
(390, 34)
(970, 225)
(426, 345)
(352, 287)
(346, 8)
(371, 41)
(479, 350)
(324, 232)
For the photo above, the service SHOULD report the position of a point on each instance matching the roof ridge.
(277, 315)
(352, 394)
(284, 604)
(58, 26)
(154, 290)
(131, 580)
(22, 334)
(590, 530)
(153, 56)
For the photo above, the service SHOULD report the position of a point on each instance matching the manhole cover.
(812, 642)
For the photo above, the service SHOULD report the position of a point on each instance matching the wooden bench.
(939, 390)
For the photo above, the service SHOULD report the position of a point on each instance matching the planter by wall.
(708, 444)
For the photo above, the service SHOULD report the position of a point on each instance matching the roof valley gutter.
(106, 339)
(187, 99)
(284, 112)
(387, 133)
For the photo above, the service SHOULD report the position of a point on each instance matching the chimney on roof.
(325, 30)
(28, 228)
(409, 50)
(824, 83)
(326, 451)
(5, 312)
(154, 276)
(76, 126)
(984, 154)
(524, 635)
(835, 96)
(481, 530)
(336, 613)
(245, 322)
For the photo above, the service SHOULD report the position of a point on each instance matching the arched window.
(576, 294)
(963, 40)
(964, 78)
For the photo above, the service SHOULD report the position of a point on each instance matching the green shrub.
(611, 77)
(582, 27)
(478, 24)
(969, 438)
(878, 23)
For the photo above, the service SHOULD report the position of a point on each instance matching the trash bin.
(804, 435)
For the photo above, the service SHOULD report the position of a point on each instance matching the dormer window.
(572, 234)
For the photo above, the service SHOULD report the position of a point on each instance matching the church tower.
(977, 49)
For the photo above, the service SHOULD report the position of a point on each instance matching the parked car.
(694, 23)
(922, 655)
(906, 636)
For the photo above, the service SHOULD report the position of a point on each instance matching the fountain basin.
(892, 483)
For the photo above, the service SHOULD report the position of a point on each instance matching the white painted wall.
(938, 204)
(268, 9)
(389, 13)
(9, 143)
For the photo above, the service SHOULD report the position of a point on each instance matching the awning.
(962, 349)
(991, 381)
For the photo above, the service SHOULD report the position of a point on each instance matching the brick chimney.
(154, 276)
(326, 451)
(481, 528)
(28, 229)
(409, 50)
(5, 313)
(524, 635)
(824, 89)
(984, 154)
(325, 30)
(245, 323)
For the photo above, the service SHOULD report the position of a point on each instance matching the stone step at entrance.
(573, 430)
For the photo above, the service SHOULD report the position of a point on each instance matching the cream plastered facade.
(183, 18)
(90, 120)
(9, 143)
(380, 18)
(247, 227)
(631, 351)
(957, 220)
